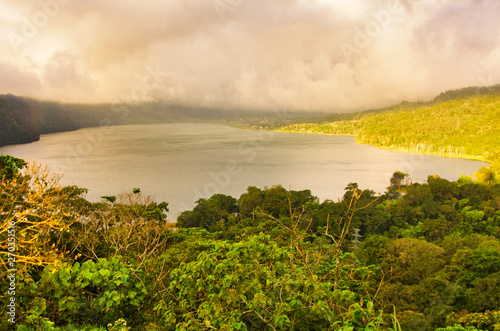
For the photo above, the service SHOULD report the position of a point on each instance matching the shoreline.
(246, 127)
(388, 148)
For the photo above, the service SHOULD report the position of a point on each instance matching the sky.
(300, 55)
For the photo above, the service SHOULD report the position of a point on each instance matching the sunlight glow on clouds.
(328, 55)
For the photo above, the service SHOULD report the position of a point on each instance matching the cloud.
(293, 54)
(17, 81)
(61, 70)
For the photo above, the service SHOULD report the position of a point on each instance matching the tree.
(276, 201)
(33, 211)
(133, 225)
(249, 201)
(399, 179)
(207, 213)
(10, 166)
(417, 258)
(441, 188)
(342, 226)
(486, 176)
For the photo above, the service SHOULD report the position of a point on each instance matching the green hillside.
(23, 120)
(461, 123)
(16, 124)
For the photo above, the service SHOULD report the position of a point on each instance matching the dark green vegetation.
(16, 124)
(459, 123)
(22, 120)
(428, 258)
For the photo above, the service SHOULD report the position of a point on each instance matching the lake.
(180, 163)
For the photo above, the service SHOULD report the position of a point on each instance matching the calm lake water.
(180, 163)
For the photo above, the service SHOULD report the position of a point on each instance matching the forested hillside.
(460, 123)
(419, 257)
(17, 124)
(22, 120)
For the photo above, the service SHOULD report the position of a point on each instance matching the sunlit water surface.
(180, 163)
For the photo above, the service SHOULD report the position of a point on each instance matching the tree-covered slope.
(456, 123)
(16, 124)
(22, 119)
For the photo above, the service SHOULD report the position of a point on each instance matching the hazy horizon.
(316, 55)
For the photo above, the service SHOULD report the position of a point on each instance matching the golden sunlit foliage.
(467, 127)
(32, 211)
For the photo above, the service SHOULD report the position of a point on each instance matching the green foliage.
(214, 214)
(461, 127)
(457, 328)
(362, 318)
(35, 323)
(486, 175)
(119, 325)
(91, 292)
(24, 119)
(17, 123)
(249, 202)
(9, 166)
(399, 179)
(274, 259)
(109, 198)
(252, 284)
(489, 320)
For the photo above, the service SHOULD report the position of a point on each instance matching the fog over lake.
(180, 163)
